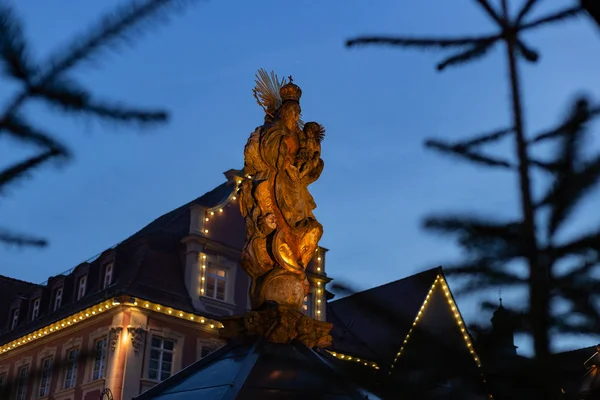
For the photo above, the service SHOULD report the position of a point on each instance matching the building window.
(71, 368)
(45, 377)
(161, 358)
(14, 318)
(108, 270)
(81, 284)
(216, 283)
(99, 359)
(22, 382)
(57, 298)
(35, 310)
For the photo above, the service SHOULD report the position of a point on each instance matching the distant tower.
(503, 332)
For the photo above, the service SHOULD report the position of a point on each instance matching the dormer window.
(14, 318)
(81, 285)
(57, 298)
(35, 309)
(108, 270)
(216, 283)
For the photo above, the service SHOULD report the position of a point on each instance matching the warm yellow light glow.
(206, 231)
(318, 258)
(79, 316)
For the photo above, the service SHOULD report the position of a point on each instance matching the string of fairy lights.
(358, 360)
(438, 282)
(102, 308)
(203, 273)
(442, 282)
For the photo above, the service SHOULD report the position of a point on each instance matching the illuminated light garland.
(56, 326)
(203, 274)
(319, 258)
(454, 309)
(410, 331)
(347, 357)
(96, 309)
(318, 300)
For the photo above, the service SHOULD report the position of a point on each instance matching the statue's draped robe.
(277, 204)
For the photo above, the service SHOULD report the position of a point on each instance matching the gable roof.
(417, 315)
(361, 330)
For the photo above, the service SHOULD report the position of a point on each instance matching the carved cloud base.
(278, 324)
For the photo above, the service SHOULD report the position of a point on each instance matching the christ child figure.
(310, 147)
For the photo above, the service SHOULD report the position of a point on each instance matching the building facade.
(151, 305)
(139, 312)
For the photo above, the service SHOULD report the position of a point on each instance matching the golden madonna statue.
(281, 159)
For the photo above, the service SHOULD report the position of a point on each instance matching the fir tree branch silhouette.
(49, 82)
(489, 249)
(593, 9)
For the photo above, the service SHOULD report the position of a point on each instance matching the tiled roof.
(361, 331)
(148, 264)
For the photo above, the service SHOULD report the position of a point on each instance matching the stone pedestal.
(278, 324)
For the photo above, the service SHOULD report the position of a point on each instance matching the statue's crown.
(290, 91)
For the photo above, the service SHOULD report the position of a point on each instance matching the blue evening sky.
(378, 105)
